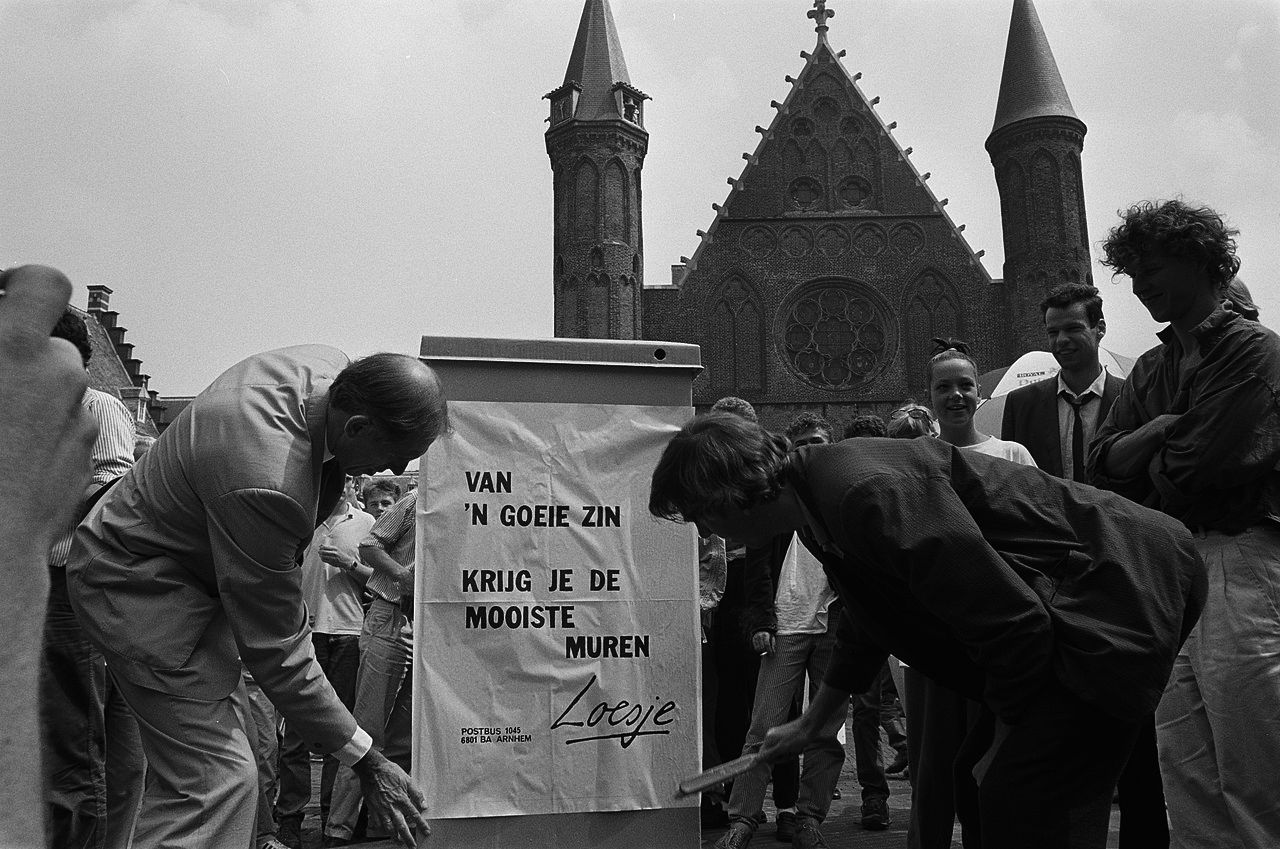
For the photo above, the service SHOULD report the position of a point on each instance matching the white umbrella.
(1029, 368)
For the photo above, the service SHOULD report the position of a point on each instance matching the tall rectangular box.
(556, 661)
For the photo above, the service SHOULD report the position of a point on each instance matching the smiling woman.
(953, 391)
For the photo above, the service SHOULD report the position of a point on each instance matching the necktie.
(1077, 437)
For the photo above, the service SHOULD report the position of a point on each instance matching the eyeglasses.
(912, 412)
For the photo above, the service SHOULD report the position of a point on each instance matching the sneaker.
(807, 834)
(737, 837)
(271, 843)
(289, 832)
(786, 828)
(875, 814)
(899, 764)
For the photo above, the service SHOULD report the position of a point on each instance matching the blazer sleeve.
(761, 566)
(1009, 422)
(856, 659)
(256, 536)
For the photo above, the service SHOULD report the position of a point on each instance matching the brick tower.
(597, 143)
(1035, 149)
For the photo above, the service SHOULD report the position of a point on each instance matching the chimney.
(99, 298)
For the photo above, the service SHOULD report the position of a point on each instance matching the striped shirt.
(394, 534)
(112, 455)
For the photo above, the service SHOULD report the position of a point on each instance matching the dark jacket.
(1218, 466)
(1031, 417)
(995, 578)
(763, 567)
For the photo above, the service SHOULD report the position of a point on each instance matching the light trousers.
(782, 674)
(382, 706)
(202, 772)
(1218, 724)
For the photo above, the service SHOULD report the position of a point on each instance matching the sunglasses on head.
(912, 412)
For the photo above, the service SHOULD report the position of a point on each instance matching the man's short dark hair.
(808, 421)
(373, 487)
(868, 425)
(393, 391)
(72, 328)
(717, 461)
(1196, 233)
(1067, 294)
(737, 406)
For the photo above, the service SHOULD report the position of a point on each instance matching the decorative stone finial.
(820, 13)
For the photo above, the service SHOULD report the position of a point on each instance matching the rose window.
(835, 334)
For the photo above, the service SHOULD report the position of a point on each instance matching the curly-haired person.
(1195, 433)
(1060, 606)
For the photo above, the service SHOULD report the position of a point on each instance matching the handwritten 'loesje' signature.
(631, 718)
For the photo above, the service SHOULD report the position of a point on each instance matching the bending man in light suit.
(190, 564)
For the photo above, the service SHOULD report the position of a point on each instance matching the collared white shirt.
(112, 454)
(1090, 416)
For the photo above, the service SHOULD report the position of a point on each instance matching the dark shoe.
(875, 814)
(899, 764)
(737, 837)
(786, 828)
(335, 841)
(807, 834)
(289, 831)
(835, 794)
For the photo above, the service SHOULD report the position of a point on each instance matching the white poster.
(556, 627)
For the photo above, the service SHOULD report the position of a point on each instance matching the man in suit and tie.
(1056, 419)
(190, 565)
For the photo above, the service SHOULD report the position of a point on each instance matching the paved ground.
(842, 829)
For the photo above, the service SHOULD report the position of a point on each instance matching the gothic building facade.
(831, 264)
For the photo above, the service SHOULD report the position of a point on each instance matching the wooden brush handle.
(711, 777)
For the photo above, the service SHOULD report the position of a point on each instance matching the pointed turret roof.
(596, 64)
(1030, 86)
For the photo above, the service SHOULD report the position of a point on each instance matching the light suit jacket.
(192, 561)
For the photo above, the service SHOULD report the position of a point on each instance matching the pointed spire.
(596, 64)
(1030, 86)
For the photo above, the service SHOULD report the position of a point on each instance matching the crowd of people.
(1088, 601)
(1083, 607)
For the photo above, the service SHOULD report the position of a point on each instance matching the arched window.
(1046, 197)
(616, 202)
(599, 318)
(569, 318)
(932, 310)
(736, 340)
(586, 198)
(1013, 205)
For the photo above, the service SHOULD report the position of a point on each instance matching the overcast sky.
(248, 174)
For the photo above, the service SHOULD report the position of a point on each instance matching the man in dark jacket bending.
(1059, 606)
